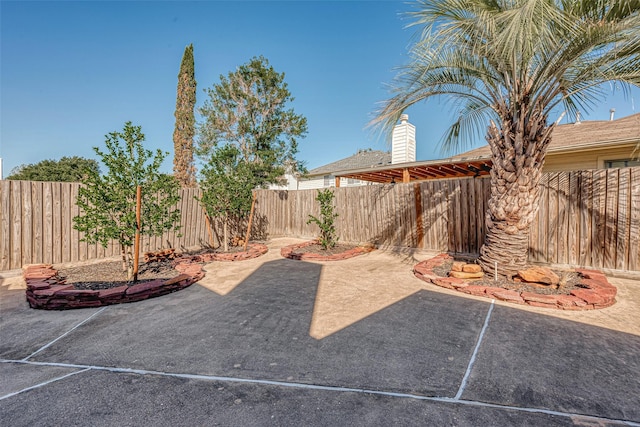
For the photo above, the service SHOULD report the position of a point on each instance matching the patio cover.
(420, 171)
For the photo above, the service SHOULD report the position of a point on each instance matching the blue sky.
(71, 72)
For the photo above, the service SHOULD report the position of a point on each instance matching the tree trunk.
(123, 255)
(518, 151)
(225, 237)
(127, 261)
(129, 264)
(209, 228)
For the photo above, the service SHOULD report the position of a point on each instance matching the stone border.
(45, 290)
(287, 252)
(48, 292)
(254, 250)
(598, 292)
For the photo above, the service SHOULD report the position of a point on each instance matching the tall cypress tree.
(183, 166)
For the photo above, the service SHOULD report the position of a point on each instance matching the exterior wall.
(582, 160)
(348, 182)
(320, 182)
(292, 183)
(312, 182)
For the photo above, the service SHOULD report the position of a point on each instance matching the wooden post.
(417, 192)
(253, 205)
(406, 178)
(136, 246)
(337, 182)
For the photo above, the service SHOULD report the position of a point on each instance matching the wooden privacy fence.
(588, 218)
(443, 215)
(36, 225)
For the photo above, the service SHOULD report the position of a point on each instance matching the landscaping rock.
(466, 275)
(595, 290)
(472, 268)
(539, 275)
(457, 266)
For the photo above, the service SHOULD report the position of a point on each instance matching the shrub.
(328, 237)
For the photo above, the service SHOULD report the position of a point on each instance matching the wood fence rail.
(588, 218)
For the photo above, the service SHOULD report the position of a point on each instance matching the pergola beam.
(406, 174)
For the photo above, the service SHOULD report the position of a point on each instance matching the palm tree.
(507, 64)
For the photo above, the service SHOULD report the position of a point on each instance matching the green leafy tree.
(507, 65)
(249, 137)
(328, 237)
(183, 167)
(67, 169)
(248, 109)
(226, 185)
(108, 202)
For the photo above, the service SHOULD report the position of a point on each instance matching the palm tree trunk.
(518, 155)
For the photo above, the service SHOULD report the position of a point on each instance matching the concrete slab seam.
(6, 396)
(64, 335)
(339, 389)
(463, 384)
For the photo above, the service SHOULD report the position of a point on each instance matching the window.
(327, 181)
(621, 163)
(352, 181)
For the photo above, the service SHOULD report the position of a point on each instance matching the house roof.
(567, 137)
(570, 136)
(361, 160)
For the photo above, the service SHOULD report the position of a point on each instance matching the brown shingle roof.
(362, 159)
(590, 132)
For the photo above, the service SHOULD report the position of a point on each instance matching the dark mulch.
(109, 274)
(208, 250)
(569, 280)
(317, 248)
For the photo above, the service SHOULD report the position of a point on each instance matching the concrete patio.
(273, 341)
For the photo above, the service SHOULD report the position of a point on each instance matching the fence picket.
(634, 220)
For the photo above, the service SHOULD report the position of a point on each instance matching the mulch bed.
(314, 251)
(317, 248)
(587, 290)
(569, 280)
(104, 283)
(109, 274)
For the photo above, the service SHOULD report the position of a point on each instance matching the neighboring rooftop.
(367, 158)
(572, 135)
(567, 138)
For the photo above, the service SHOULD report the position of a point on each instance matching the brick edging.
(598, 292)
(287, 252)
(45, 290)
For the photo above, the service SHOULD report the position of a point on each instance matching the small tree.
(108, 202)
(67, 169)
(248, 138)
(183, 168)
(328, 238)
(226, 187)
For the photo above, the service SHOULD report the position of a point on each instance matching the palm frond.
(517, 59)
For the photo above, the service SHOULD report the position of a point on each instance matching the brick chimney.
(403, 141)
